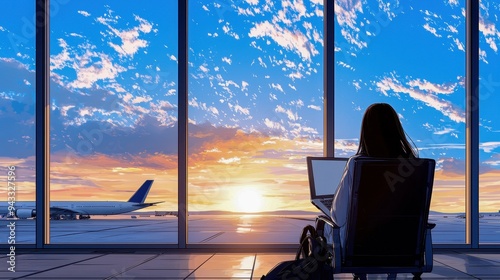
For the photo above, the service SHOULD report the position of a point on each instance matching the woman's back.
(381, 136)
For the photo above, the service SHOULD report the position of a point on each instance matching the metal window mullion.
(182, 217)
(328, 79)
(42, 131)
(472, 123)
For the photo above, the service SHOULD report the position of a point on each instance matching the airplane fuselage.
(78, 207)
(71, 209)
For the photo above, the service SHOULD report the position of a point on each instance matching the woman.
(381, 136)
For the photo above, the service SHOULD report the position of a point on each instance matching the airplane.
(69, 210)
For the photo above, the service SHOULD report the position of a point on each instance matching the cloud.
(295, 75)
(277, 87)
(489, 31)
(346, 147)
(17, 109)
(232, 160)
(235, 149)
(244, 85)
(252, 2)
(203, 106)
(141, 99)
(345, 65)
(130, 38)
(84, 13)
(203, 68)
(261, 62)
(451, 28)
(246, 12)
(426, 93)
(237, 108)
(442, 130)
(298, 103)
(317, 2)
(445, 146)
(88, 73)
(432, 30)
(356, 85)
(295, 41)
(289, 113)
(276, 126)
(431, 87)
(101, 89)
(450, 166)
(439, 26)
(62, 59)
(446, 130)
(347, 12)
(314, 107)
(101, 137)
(488, 147)
(227, 60)
(355, 24)
(493, 162)
(228, 30)
(459, 44)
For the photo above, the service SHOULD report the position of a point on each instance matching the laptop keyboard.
(327, 202)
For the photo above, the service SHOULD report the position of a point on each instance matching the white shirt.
(342, 199)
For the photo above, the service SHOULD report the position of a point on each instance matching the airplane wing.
(63, 211)
(148, 204)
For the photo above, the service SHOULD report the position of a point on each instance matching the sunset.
(208, 139)
(255, 98)
(248, 185)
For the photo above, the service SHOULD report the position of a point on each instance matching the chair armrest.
(322, 219)
(428, 253)
(336, 249)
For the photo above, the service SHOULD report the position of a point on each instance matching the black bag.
(312, 261)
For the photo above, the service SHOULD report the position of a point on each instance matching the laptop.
(324, 174)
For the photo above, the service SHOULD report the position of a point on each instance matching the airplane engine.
(25, 213)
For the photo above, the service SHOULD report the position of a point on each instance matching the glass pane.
(114, 122)
(489, 99)
(411, 55)
(255, 113)
(17, 120)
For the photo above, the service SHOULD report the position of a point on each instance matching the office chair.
(386, 230)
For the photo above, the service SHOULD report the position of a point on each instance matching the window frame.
(43, 117)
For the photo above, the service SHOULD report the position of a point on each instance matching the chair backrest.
(388, 212)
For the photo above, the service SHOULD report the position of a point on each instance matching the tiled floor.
(448, 264)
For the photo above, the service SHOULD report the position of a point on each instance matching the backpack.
(312, 261)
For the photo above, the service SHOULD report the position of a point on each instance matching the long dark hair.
(382, 134)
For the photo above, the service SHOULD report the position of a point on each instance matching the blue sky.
(263, 64)
(412, 56)
(255, 84)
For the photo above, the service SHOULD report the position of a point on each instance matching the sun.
(249, 200)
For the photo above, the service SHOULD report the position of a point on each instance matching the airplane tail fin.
(140, 195)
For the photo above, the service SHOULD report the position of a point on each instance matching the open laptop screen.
(325, 174)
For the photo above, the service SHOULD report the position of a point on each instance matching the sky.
(255, 96)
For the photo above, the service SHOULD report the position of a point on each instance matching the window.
(255, 113)
(113, 93)
(489, 87)
(409, 54)
(17, 120)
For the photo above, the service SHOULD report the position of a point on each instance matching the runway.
(214, 229)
